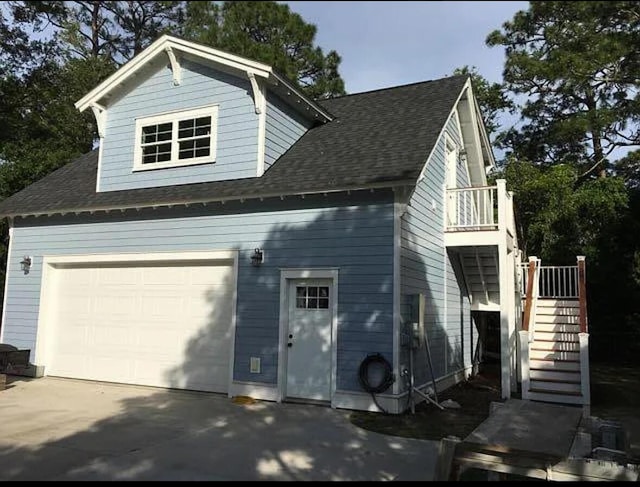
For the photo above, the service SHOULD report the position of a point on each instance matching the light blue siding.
(353, 235)
(237, 128)
(427, 267)
(283, 128)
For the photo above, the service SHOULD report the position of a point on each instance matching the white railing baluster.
(471, 208)
(556, 282)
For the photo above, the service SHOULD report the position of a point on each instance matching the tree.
(577, 63)
(491, 98)
(267, 32)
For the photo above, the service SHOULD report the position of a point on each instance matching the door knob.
(289, 344)
(290, 336)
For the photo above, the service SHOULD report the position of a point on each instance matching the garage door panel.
(159, 325)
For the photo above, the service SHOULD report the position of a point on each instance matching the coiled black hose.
(385, 383)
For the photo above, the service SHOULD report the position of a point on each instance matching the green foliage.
(269, 32)
(577, 64)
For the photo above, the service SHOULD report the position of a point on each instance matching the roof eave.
(167, 42)
(205, 201)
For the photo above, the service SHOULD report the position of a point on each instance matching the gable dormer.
(181, 113)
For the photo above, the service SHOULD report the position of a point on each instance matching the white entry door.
(309, 341)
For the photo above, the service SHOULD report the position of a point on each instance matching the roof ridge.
(395, 87)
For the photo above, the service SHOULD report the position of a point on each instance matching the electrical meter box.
(418, 303)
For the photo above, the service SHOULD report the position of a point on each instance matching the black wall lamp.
(25, 264)
(257, 258)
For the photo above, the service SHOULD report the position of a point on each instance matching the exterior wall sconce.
(463, 155)
(25, 264)
(257, 258)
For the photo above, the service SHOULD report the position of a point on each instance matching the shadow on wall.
(263, 441)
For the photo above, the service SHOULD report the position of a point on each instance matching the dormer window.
(176, 139)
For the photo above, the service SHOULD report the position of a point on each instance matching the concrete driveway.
(60, 429)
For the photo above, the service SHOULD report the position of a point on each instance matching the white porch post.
(504, 279)
(524, 361)
(584, 372)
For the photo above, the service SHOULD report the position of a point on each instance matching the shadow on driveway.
(58, 429)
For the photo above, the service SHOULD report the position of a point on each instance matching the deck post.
(584, 373)
(582, 294)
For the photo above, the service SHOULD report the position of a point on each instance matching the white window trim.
(175, 117)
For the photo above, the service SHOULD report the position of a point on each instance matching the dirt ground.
(615, 395)
(429, 422)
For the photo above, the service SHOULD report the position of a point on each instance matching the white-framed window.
(176, 139)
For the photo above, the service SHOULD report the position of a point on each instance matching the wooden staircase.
(554, 341)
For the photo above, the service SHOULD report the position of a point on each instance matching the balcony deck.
(479, 216)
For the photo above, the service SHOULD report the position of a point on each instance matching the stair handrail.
(528, 322)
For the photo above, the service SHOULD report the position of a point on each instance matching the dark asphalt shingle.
(377, 138)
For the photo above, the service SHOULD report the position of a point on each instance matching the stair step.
(564, 365)
(557, 327)
(554, 354)
(557, 303)
(550, 336)
(555, 374)
(553, 318)
(555, 386)
(564, 398)
(555, 346)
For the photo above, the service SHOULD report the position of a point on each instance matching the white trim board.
(172, 46)
(3, 325)
(175, 117)
(310, 273)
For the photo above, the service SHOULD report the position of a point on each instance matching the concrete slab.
(59, 429)
(532, 426)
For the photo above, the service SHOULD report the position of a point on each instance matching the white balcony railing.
(481, 208)
(472, 208)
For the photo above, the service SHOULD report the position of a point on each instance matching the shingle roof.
(378, 138)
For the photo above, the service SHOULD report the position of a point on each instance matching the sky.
(392, 43)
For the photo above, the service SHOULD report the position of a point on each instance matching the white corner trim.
(262, 129)
(7, 273)
(287, 274)
(176, 69)
(99, 172)
(398, 210)
(234, 322)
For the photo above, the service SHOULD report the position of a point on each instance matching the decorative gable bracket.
(257, 93)
(100, 113)
(175, 66)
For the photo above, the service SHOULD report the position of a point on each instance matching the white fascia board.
(295, 91)
(442, 129)
(168, 45)
(159, 47)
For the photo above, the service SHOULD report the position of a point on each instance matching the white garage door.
(157, 324)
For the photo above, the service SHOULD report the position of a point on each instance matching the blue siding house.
(231, 235)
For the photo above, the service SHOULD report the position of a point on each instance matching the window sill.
(170, 164)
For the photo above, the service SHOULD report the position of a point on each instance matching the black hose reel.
(387, 379)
